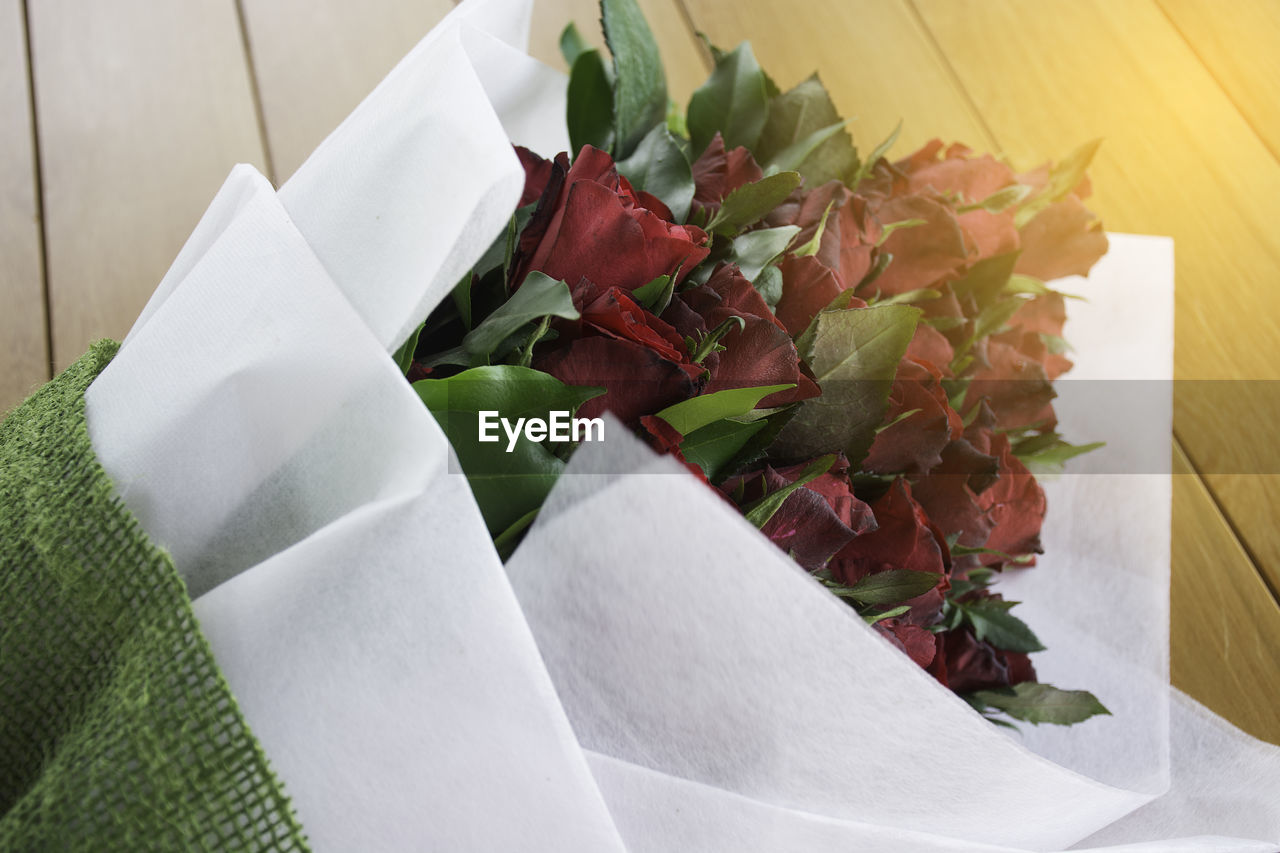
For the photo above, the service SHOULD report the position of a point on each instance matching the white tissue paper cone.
(255, 425)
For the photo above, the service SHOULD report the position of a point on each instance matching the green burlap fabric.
(117, 732)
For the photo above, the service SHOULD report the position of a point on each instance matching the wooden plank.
(23, 340)
(315, 60)
(1223, 648)
(682, 55)
(1178, 159)
(1238, 43)
(873, 57)
(143, 109)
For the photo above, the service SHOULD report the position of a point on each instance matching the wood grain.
(315, 60)
(682, 55)
(873, 56)
(143, 109)
(1239, 43)
(23, 342)
(1223, 646)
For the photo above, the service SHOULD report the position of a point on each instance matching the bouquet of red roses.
(857, 353)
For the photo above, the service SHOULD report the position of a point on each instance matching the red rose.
(984, 493)
(913, 444)
(590, 223)
(758, 352)
(970, 180)
(904, 538)
(641, 360)
(816, 520)
(719, 172)
(918, 643)
(965, 663)
(846, 253)
(1064, 238)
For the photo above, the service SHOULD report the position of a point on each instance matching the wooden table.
(120, 118)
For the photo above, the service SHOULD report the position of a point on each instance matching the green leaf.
(1038, 703)
(769, 284)
(864, 170)
(909, 297)
(1000, 200)
(640, 86)
(715, 445)
(798, 119)
(507, 486)
(815, 243)
(758, 445)
(589, 113)
(572, 44)
(733, 101)
(986, 279)
(794, 155)
(751, 202)
(989, 321)
(506, 541)
(539, 296)
(710, 342)
(992, 622)
(462, 299)
(873, 618)
(854, 354)
(759, 512)
(1053, 459)
(889, 227)
(889, 587)
(755, 250)
(404, 356)
(659, 167)
(655, 295)
(697, 412)
(1063, 178)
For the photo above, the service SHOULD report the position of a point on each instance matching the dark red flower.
(904, 538)
(913, 444)
(537, 173)
(590, 223)
(969, 180)
(816, 520)
(965, 663)
(641, 361)
(984, 493)
(719, 172)
(757, 352)
(918, 643)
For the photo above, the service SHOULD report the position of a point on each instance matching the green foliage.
(804, 131)
(750, 203)
(507, 486)
(854, 354)
(640, 85)
(733, 101)
(715, 445)
(887, 587)
(590, 101)
(697, 412)
(660, 167)
(755, 250)
(539, 296)
(1036, 703)
(759, 512)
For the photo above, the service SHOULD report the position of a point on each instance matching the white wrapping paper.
(413, 695)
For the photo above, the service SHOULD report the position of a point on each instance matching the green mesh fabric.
(117, 731)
